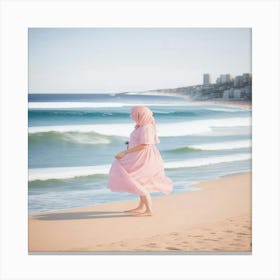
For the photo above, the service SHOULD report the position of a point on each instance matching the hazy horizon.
(113, 60)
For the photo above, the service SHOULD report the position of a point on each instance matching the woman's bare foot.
(146, 213)
(135, 210)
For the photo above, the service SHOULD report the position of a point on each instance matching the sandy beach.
(243, 104)
(232, 103)
(235, 103)
(215, 218)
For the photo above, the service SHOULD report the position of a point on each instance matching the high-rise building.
(206, 79)
(224, 78)
(228, 78)
(238, 81)
(246, 77)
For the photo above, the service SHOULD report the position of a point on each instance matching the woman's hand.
(134, 149)
(120, 155)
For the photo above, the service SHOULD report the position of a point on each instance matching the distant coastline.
(227, 90)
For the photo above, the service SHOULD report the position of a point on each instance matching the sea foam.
(227, 145)
(71, 172)
(63, 105)
(163, 129)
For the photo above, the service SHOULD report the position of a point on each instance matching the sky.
(107, 60)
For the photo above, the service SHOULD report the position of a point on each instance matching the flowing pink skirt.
(140, 172)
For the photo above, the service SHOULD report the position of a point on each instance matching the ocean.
(73, 138)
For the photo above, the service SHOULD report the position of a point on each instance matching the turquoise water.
(73, 138)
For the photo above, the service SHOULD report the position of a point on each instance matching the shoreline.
(235, 103)
(179, 223)
(241, 103)
(109, 203)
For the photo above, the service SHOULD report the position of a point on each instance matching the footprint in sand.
(151, 244)
(172, 248)
(207, 239)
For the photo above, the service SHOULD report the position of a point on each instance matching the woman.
(139, 169)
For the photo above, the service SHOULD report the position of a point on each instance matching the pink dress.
(140, 172)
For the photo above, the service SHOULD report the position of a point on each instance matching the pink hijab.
(142, 116)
